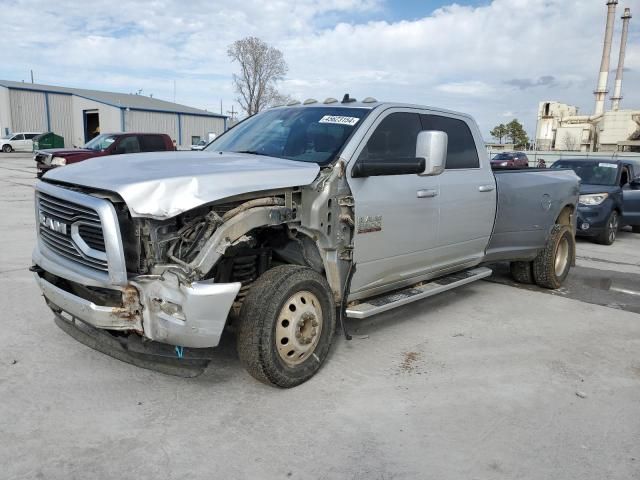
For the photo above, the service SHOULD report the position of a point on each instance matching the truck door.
(396, 215)
(467, 194)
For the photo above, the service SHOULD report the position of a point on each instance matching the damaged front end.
(166, 287)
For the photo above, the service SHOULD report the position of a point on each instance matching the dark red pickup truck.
(104, 144)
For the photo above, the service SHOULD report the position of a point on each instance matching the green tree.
(499, 132)
(516, 133)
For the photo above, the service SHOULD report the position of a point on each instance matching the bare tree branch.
(262, 67)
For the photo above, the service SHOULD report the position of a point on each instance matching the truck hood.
(587, 188)
(164, 184)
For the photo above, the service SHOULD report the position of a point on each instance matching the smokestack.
(617, 92)
(603, 79)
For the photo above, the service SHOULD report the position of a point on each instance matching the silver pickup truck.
(286, 224)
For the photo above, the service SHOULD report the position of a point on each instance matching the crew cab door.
(396, 215)
(467, 194)
(18, 143)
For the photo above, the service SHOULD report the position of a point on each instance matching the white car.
(18, 142)
(199, 146)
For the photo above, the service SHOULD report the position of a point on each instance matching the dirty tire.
(7, 149)
(260, 316)
(522, 272)
(552, 265)
(610, 232)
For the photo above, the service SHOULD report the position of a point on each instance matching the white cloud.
(473, 88)
(504, 56)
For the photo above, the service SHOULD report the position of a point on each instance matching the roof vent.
(348, 99)
(330, 100)
(369, 100)
(309, 101)
(293, 102)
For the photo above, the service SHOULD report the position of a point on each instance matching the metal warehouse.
(78, 115)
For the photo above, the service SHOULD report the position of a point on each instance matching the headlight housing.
(58, 161)
(504, 164)
(593, 198)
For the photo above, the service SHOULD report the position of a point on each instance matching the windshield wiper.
(251, 152)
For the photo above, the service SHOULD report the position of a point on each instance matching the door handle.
(486, 188)
(427, 193)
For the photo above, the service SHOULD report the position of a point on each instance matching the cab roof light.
(309, 101)
(330, 100)
(293, 102)
(369, 100)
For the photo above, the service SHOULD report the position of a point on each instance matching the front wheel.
(608, 235)
(287, 322)
(552, 265)
(7, 148)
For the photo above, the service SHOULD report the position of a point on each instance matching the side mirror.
(432, 146)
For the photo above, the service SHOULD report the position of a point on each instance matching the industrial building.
(560, 127)
(78, 115)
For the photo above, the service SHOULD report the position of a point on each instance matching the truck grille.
(72, 231)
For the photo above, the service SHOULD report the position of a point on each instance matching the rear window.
(152, 143)
(503, 156)
(461, 149)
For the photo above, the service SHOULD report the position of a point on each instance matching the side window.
(19, 136)
(195, 139)
(461, 150)
(153, 143)
(29, 136)
(129, 145)
(395, 137)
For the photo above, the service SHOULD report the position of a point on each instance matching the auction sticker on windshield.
(340, 120)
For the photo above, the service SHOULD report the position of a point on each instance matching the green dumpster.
(47, 140)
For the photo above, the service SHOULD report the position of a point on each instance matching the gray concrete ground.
(486, 382)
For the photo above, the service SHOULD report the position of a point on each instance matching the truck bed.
(528, 203)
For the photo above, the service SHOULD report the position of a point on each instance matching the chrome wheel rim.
(299, 328)
(562, 257)
(613, 227)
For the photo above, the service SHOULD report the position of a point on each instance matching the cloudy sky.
(494, 59)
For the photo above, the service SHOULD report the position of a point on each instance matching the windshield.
(592, 173)
(101, 142)
(307, 134)
(7, 137)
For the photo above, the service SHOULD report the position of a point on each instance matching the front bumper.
(163, 310)
(592, 220)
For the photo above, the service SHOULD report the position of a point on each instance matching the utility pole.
(232, 112)
(31, 76)
(174, 91)
(220, 106)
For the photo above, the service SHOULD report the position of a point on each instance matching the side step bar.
(398, 298)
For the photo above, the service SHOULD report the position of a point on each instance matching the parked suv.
(609, 196)
(18, 142)
(510, 160)
(103, 145)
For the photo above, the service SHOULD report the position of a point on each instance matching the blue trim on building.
(46, 106)
(179, 129)
(214, 115)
